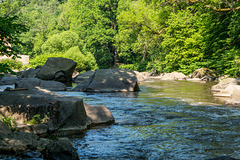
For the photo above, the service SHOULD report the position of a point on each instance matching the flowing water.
(165, 120)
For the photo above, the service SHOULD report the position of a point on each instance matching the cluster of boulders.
(32, 95)
(199, 75)
(58, 71)
(65, 116)
(28, 145)
(229, 89)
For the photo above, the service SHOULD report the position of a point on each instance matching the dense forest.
(169, 35)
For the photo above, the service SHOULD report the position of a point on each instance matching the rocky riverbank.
(53, 115)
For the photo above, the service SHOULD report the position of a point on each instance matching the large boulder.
(204, 74)
(66, 115)
(99, 114)
(30, 83)
(83, 80)
(113, 80)
(58, 69)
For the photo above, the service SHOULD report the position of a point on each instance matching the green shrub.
(41, 59)
(129, 66)
(60, 42)
(10, 122)
(12, 64)
(85, 62)
(36, 119)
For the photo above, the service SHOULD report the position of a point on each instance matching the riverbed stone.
(29, 73)
(142, 76)
(9, 80)
(28, 145)
(172, 76)
(223, 84)
(83, 80)
(16, 142)
(113, 80)
(99, 114)
(228, 88)
(53, 85)
(58, 69)
(204, 74)
(30, 83)
(60, 149)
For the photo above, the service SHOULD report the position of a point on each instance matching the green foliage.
(183, 42)
(60, 42)
(166, 35)
(128, 66)
(41, 59)
(36, 119)
(10, 122)
(95, 23)
(12, 64)
(85, 61)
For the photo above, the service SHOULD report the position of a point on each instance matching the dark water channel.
(166, 120)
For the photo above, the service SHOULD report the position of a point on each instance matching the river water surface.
(165, 120)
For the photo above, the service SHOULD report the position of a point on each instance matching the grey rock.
(83, 80)
(99, 114)
(4, 128)
(53, 85)
(60, 149)
(16, 142)
(9, 80)
(113, 80)
(141, 76)
(30, 83)
(29, 73)
(57, 68)
(173, 76)
(67, 114)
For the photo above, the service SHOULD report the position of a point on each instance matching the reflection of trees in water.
(186, 91)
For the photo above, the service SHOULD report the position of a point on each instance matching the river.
(165, 120)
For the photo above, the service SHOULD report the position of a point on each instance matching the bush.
(12, 64)
(41, 59)
(128, 66)
(85, 62)
(60, 42)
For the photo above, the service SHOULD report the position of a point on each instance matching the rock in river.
(58, 69)
(112, 80)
